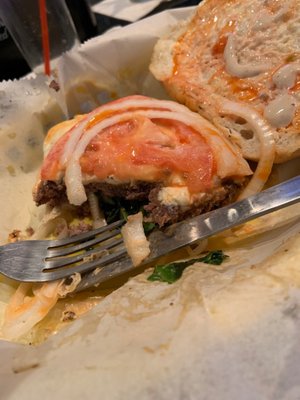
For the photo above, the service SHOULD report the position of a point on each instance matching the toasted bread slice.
(244, 52)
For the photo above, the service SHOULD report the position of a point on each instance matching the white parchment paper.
(115, 64)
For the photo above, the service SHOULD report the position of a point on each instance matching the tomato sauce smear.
(159, 150)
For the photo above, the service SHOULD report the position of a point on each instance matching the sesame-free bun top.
(241, 52)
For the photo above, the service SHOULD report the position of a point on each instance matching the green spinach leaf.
(171, 272)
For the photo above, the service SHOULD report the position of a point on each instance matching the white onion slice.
(25, 309)
(73, 180)
(135, 239)
(265, 136)
(97, 215)
(77, 131)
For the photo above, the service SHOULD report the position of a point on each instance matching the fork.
(101, 254)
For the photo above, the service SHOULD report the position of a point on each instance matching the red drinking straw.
(45, 36)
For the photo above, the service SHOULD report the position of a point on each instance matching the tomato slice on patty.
(145, 149)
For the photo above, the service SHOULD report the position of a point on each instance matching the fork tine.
(48, 275)
(86, 235)
(63, 261)
(63, 251)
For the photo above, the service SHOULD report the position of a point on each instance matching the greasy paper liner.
(219, 332)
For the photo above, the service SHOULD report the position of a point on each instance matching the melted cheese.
(178, 196)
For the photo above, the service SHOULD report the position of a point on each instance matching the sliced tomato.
(159, 150)
(147, 150)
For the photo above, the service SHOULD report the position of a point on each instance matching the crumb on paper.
(97, 270)
(29, 231)
(12, 135)
(16, 235)
(70, 283)
(96, 256)
(23, 367)
(68, 315)
(54, 85)
(11, 170)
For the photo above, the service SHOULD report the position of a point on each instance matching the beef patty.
(54, 193)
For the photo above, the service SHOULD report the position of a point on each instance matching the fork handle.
(203, 226)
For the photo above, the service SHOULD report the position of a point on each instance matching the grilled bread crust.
(245, 52)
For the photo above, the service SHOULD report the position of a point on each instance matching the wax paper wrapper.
(115, 64)
(220, 332)
(27, 109)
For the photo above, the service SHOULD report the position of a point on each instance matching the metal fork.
(48, 260)
(100, 254)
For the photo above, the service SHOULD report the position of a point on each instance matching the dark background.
(88, 25)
